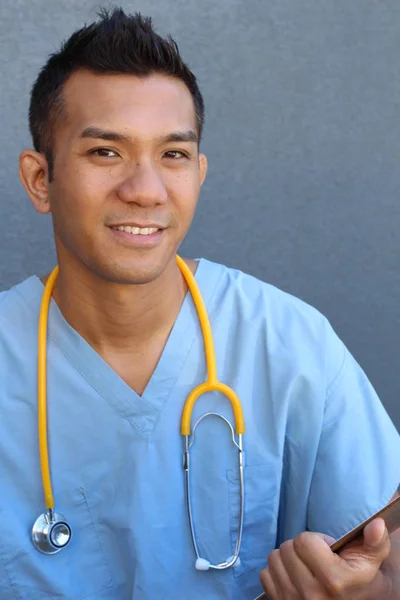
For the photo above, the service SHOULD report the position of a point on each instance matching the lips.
(138, 236)
(137, 230)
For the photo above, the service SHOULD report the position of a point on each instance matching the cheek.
(78, 182)
(72, 216)
(185, 191)
(77, 198)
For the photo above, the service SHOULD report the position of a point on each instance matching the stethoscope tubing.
(43, 532)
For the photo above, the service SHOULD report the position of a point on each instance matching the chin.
(132, 274)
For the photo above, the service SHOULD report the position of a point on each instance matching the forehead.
(142, 107)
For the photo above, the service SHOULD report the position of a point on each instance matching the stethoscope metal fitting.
(51, 533)
(203, 564)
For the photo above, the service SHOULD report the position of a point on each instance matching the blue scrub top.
(321, 452)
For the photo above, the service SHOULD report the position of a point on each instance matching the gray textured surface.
(303, 139)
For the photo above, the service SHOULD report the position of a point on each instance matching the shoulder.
(250, 290)
(19, 302)
(257, 298)
(19, 311)
(295, 332)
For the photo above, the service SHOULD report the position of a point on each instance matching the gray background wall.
(303, 140)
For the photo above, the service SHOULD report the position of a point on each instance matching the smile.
(137, 230)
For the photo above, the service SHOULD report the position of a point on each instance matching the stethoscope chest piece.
(51, 533)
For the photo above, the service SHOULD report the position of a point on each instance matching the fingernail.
(379, 540)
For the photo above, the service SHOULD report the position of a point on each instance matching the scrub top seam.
(331, 388)
(332, 391)
(10, 582)
(88, 508)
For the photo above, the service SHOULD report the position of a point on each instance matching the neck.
(111, 316)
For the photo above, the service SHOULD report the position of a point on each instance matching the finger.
(327, 538)
(301, 577)
(355, 567)
(268, 585)
(329, 570)
(280, 575)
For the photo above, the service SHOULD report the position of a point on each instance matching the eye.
(104, 152)
(175, 154)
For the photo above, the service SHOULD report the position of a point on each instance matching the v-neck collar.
(141, 411)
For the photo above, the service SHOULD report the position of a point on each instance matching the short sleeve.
(2, 297)
(357, 468)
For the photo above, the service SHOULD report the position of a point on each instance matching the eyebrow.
(114, 136)
(181, 136)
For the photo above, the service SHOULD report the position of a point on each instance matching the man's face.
(125, 157)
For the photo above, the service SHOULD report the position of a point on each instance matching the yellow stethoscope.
(51, 532)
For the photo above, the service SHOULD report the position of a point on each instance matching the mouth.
(134, 234)
(136, 230)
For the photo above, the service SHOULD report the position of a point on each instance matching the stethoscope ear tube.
(42, 389)
(202, 564)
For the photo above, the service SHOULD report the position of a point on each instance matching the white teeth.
(137, 230)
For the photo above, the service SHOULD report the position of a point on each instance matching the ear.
(33, 173)
(203, 167)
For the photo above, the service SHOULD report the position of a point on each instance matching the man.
(116, 119)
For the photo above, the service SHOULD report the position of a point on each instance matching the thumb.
(366, 555)
(373, 548)
(376, 539)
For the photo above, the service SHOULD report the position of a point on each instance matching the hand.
(306, 569)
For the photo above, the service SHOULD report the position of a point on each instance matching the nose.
(144, 186)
